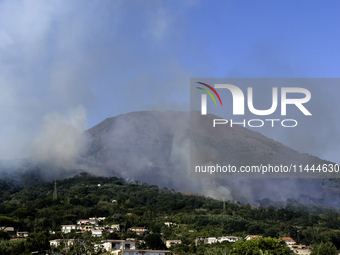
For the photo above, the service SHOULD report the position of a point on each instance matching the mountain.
(154, 147)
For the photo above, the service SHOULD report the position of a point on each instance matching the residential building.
(138, 230)
(7, 229)
(230, 239)
(111, 245)
(170, 243)
(68, 228)
(67, 242)
(115, 227)
(88, 221)
(98, 219)
(97, 232)
(107, 246)
(252, 237)
(288, 240)
(210, 240)
(22, 234)
(169, 224)
(199, 240)
(110, 228)
(99, 246)
(85, 228)
(300, 249)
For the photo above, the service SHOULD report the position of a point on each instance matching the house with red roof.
(289, 241)
(248, 237)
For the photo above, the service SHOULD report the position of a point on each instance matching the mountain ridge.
(153, 146)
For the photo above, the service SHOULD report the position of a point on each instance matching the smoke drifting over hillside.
(154, 147)
(61, 142)
(58, 56)
(62, 61)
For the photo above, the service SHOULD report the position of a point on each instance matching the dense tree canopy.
(260, 246)
(324, 249)
(141, 205)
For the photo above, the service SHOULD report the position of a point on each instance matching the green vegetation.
(324, 249)
(142, 205)
(260, 246)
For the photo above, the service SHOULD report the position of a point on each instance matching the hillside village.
(130, 246)
(98, 215)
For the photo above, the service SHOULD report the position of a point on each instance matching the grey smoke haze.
(116, 57)
(62, 55)
(152, 147)
(60, 141)
(67, 65)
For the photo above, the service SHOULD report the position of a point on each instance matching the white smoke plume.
(60, 141)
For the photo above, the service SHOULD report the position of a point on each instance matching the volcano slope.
(154, 147)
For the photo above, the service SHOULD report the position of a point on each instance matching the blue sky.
(74, 63)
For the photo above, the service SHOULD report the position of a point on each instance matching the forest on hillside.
(141, 205)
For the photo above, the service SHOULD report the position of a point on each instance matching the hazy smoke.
(110, 57)
(58, 55)
(60, 141)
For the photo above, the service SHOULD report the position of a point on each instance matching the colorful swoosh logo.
(209, 93)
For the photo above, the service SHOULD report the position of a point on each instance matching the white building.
(7, 229)
(97, 232)
(68, 228)
(22, 234)
(210, 240)
(111, 245)
(99, 218)
(67, 242)
(288, 240)
(88, 221)
(169, 224)
(230, 239)
(138, 230)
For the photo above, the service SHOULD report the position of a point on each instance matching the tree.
(4, 248)
(8, 222)
(324, 249)
(216, 251)
(260, 246)
(37, 241)
(4, 236)
(192, 248)
(154, 242)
